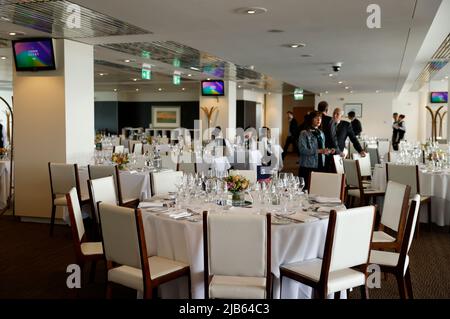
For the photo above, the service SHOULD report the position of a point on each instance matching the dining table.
(293, 240)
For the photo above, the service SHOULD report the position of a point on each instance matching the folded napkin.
(323, 199)
(301, 217)
(150, 204)
(180, 215)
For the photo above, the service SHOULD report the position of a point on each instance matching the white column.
(274, 115)
(54, 122)
(225, 115)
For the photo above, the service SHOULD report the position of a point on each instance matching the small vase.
(238, 198)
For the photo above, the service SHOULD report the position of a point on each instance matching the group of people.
(321, 137)
(398, 130)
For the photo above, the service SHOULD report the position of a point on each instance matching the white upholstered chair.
(327, 185)
(248, 174)
(355, 188)
(374, 156)
(99, 171)
(397, 263)
(237, 256)
(126, 256)
(84, 251)
(393, 217)
(187, 162)
(165, 182)
(338, 164)
(102, 190)
(409, 175)
(119, 149)
(347, 246)
(364, 164)
(63, 177)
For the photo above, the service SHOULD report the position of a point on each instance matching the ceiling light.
(331, 75)
(135, 79)
(326, 92)
(295, 45)
(351, 92)
(446, 77)
(12, 33)
(189, 74)
(251, 10)
(160, 89)
(347, 87)
(269, 93)
(3, 58)
(102, 74)
(239, 86)
(5, 19)
(115, 90)
(377, 91)
(128, 60)
(340, 82)
(183, 89)
(137, 90)
(194, 68)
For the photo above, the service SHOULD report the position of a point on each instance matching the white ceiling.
(373, 59)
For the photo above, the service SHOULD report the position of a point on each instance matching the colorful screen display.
(34, 55)
(213, 88)
(439, 97)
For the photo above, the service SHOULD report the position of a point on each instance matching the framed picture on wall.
(166, 117)
(355, 107)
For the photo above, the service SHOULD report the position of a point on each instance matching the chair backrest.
(102, 190)
(245, 253)
(383, 148)
(63, 177)
(374, 156)
(137, 148)
(327, 184)
(100, 171)
(364, 164)
(352, 173)
(395, 205)
(249, 174)
(120, 235)
(338, 164)
(404, 174)
(165, 182)
(411, 224)
(348, 239)
(76, 217)
(169, 161)
(119, 149)
(187, 162)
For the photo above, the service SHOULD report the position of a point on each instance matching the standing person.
(2, 136)
(292, 137)
(356, 124)
(401, 126)
(322, 107)
(395, 132)
(339, 131)
(311, 145)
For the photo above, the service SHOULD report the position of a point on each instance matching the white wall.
(274, 115)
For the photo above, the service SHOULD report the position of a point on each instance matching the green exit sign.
(146, 74)
(176, 79)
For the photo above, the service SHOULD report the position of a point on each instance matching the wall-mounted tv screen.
(34, 54)
(213, 88)
(439, 97)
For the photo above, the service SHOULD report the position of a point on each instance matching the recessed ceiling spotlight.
(183, 89)
(446, 77)
(347, 87)
(135, 79)
(115, 90)
(12, 33)
(239, 86)
(351, 92)
(251, 10)
(331, 75)
(326, 92)
(3, 58)
(189, 74)
(295, 45)
(275, 31)
(208, 79)
(128, 60)
(137, 90)
(103, 74)
(194, 68)
(377, 91)
(160, 89)
(340, 82)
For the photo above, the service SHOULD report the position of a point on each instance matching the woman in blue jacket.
(311, 146)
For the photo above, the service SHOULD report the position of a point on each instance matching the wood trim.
(343, 188)
(145, 266)
(119, 186)
(328, 250)
(51, 181)
(73, 227)
(205, 254)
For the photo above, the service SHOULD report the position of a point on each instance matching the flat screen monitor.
(213, 88)
(439, 97)
(34, 54)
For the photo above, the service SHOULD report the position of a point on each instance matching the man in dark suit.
(395, 132)
(339, 131)
(2, 142)
(325, 128)
(292, 137)
(356, 124)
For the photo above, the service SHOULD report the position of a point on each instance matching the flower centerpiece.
(121, 159)
(237, 185)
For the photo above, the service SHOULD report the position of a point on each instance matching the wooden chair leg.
(430, 223)
(92, 272)
(52, 219)
(108, 290)
(189, 286)
(409, 284)
(364, 292)
(401, 285)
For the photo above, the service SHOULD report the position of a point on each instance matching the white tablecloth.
(436, 185)
(4, 182)
(183, 241)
